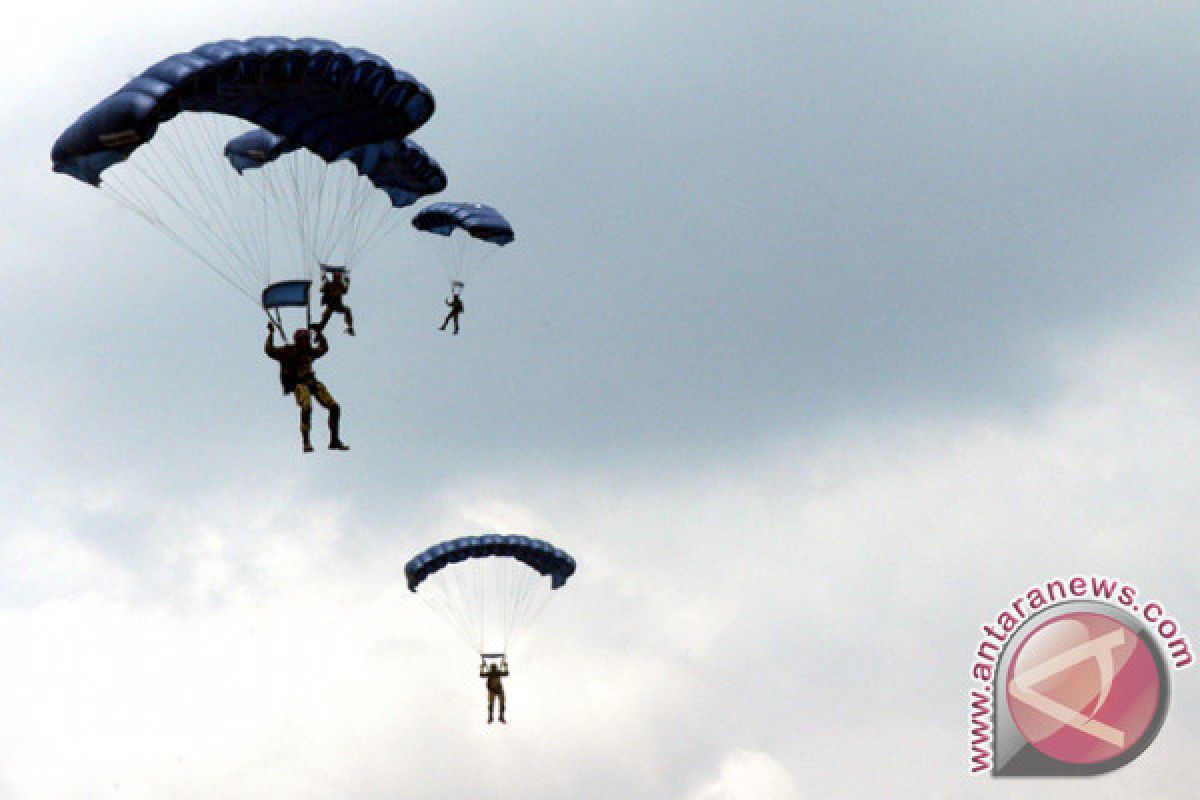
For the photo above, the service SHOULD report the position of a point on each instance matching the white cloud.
(750, 775)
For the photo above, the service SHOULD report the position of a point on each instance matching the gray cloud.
(826, 331)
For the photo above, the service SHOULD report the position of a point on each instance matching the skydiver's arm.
(322, 346)
(269, 346)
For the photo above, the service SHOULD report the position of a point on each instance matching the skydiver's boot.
(502, 719)
(308, 448)
(489, 719)
(335, 418)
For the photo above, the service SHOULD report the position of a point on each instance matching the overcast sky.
(828, 329)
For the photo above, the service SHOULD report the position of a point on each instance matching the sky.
(828, 329)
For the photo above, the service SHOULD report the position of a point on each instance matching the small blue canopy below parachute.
(286, 294)
(314, 92)
(543, 557)
(481, 221)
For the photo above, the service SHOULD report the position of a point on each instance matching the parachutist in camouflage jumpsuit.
(334, 288)
(495, 687)
(298, 379)
(456, 307)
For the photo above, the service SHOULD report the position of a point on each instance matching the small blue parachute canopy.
(286, 294)
(314, 92)
(256, 148)
(541, 556)
(482, 222)
(398, 167)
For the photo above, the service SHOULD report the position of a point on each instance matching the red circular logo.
(1083, 688)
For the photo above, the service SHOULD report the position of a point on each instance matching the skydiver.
(454, 301)
(298, 379)
(333, 288)
(495, 687)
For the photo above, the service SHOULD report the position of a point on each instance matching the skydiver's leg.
(455, 323)
(446, 321)
(491, 704)
(501, 696)
(325, 315)
(349, 320)
(335, 417)
(304, 401)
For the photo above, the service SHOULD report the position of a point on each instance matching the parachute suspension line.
(314, 223)
(287, 194)
(224, 193)
(489, 601)
(203, 192)
(526, 603)
(346, 236)
(445, 594)
(327, 223)
(485, 611)
(297, 174)
(155, 170)
(126, 196)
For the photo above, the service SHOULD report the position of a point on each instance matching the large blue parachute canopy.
(541, 556)
(170, 131)
(314, 92)
(479, 220)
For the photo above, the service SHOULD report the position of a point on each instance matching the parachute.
(489, 587)
(323, 115)
(400, 168)
(477, 221)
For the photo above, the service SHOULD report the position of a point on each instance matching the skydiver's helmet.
(301, 337)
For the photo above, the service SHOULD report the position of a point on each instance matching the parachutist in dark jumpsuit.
(298, 379)
(333, 289)
(456, 307)
(495, 687)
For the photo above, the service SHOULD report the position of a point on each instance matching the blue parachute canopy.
(286, 294)
(398, 167)
(543, 557)
(314, 92)
(256, 148)
(482, 222)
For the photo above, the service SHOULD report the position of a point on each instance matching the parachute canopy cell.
(541, 556)
(399, 167)
(314, 92)
(479, 220)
